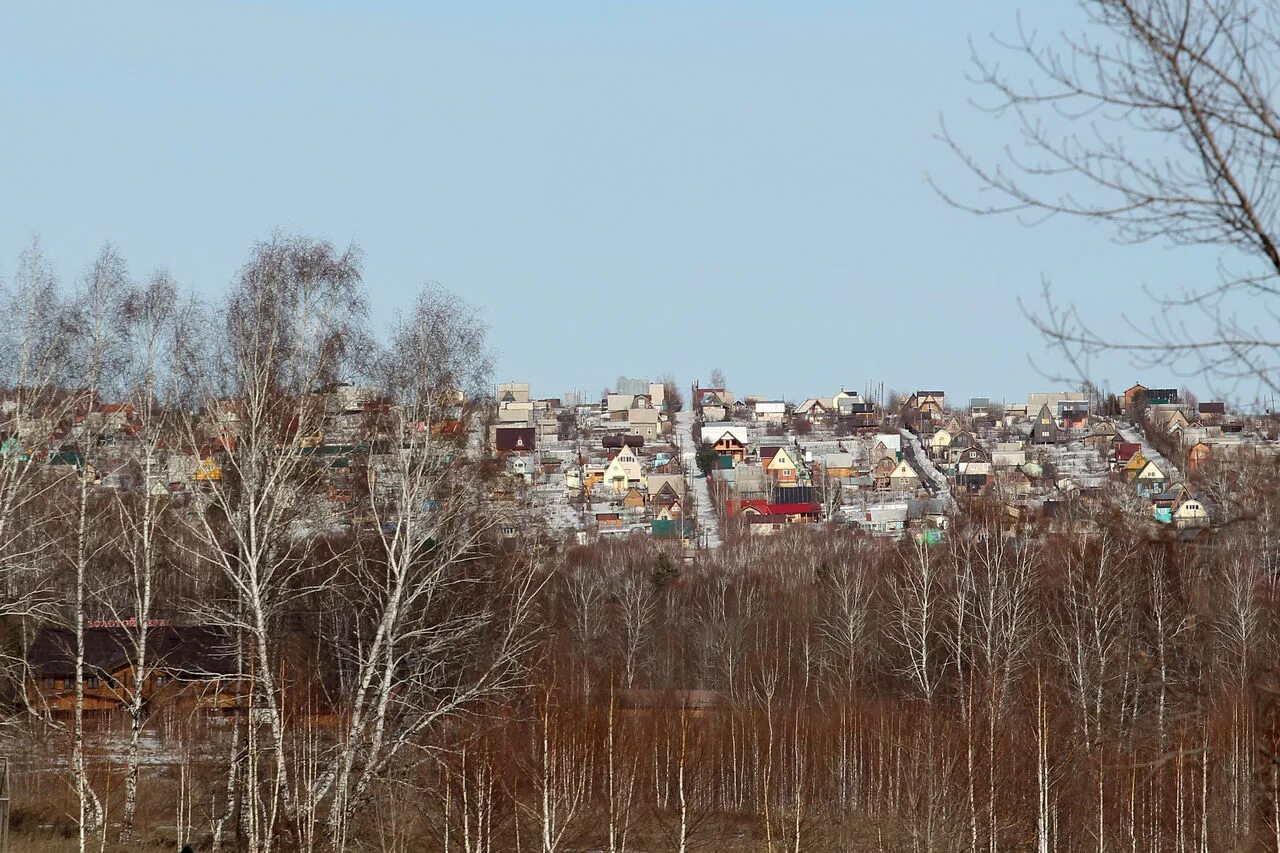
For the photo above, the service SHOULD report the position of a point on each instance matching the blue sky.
(625, 188)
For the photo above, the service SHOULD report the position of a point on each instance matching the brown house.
(1213, 412)
(1198, 455)
(1131, 396)
(192, 667)
(728, 445)
(633, 499)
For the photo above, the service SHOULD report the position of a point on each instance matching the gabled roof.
(716, 435)
(1150, 471)
(1136, 462)
(779, 452)
(1173, 493)
(903, 470)
(198, 650)
(1183, 508)
(616, 453)
(761, 507)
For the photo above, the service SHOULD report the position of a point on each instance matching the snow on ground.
(708, 522)
(925, 468)
(1135, 436)
(1078, 461)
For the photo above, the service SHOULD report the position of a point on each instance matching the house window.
(161, 679)
(49, 682)
(92, 682)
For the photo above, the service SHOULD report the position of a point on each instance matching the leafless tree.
(671, 395)
(1156, 120)
(36, 364)
(439, 627)
(293, 317)
(99, 353)
(635, 603)
(918, 601)
(1092, 632)
(586, 591)
(847, 618)
(153, 321)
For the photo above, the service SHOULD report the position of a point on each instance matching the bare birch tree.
(293, 317)
(441, 624)
(154, 322)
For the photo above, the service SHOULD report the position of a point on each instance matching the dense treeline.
(1090, 688)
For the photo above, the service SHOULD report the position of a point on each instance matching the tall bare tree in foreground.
(36, 365)
(293, 318)
(434, 630)
(100, 353)
(154, 321)
(1158, 120)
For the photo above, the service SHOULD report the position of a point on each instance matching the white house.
(1190, 513)
(771, 411)
(623, 471)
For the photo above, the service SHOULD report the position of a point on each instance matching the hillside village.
(642, 461)
(639, 461)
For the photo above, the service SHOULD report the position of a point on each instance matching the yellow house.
(592, 476)
(208, 471)
(1135, 464)
(838, 464)
(1150, 479)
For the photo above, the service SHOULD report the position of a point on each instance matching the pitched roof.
(767, 509)
(1150, 471)
(191, 650)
